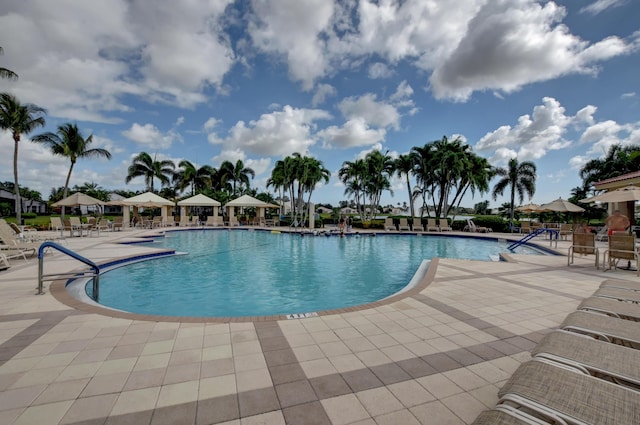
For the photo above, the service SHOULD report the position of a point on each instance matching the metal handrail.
(74, 255)
(526, 238)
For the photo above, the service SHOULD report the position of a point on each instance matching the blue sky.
(555, 83)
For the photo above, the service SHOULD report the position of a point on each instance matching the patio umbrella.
(561, 205)
(625, 194)
(147, 199)
(528, 208)
(76, 200)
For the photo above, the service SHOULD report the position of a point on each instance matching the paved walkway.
(437, 356)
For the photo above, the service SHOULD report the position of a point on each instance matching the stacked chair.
(585, 372)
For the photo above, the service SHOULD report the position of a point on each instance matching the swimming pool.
(254, 273)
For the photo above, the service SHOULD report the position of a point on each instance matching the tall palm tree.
(236, 173)
(404, 165)
(520, 177)
(143, 165)
(19, 119)
(69, 142)
(619, 160)
(189, 175)
(7, 73)
(380, 168)
(353, 174)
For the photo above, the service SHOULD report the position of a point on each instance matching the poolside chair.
(622, 247)
(525, 227)
(417, 226)
(117, 223)
(610, 362)
(611, 307)
(55, 224)
(618, 294)
(388, 224)
(432, 225)
(506, 415)
(622, 284)
(565, 230)
(403, 224)
(4, 262)
(583, 244)
(233, 221)
(554, 391)
(444, 225)
(77, 225)
(606, 328)
(471, 227)
(184, 221)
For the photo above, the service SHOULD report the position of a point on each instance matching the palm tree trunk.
(410, 197)
(18, 203)
(66, 191)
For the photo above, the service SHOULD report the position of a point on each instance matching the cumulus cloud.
(277, 133)
(533, 136)
(379, 70)
(149, 135)
(128, 49)
(366, 107)
(355, 132)
(322, 92)
(510, 43)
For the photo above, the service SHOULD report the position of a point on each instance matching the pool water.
(253, 273)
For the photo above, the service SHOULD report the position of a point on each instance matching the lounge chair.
(232, 221)
(618, 294)
(525, 227)
(554, 391)
(622, 247)
(506, 415)
(117, 223)
(471, 227)
(12, 246)
(603, 234)
(432, 225)
(565, 230)
(388, 224)
(213, 220)
(403, 224)
(611, 307)
(4, 262)
(583, 244)
(417, 226)
(611, 362)
(55, 224)
(444, 225)
(78, 226)
(621, 284)
(603, 327)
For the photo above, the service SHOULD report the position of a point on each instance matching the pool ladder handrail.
(95, 272)
(553, 236)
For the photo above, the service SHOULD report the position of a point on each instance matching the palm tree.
(7, 73)
(237, 173)
(149, 168)
(70, 143)
(353, 175)
(520, 177)
(198, 178)
(18, 119)
(404, 166)
(619, 160)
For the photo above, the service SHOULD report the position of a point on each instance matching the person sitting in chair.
(617, 222)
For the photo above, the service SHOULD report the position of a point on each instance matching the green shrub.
(495, 223)
(29, 215)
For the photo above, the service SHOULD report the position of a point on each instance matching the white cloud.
(379, 70)
(601, 5)
(366, 107)
(510, 43)
(628, 95)
(322, 92)
(278, 133)
(210, 124)
(533, 136)
(355, 132)
(149, 135)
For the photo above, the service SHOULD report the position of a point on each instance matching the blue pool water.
(252, 273)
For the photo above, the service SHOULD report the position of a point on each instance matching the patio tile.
(145, 379)
(180, 414)
(259, 401)
(390, 373)
(344, 409)
(182, 373)
(185, 357)
(439, 385)
(410, 393)
(329, 386)
(20, 397)
(109, 367)
(403, 417)
(435, 413)
(136, 401)
(319, 367)
(249, 362)
(360, 380)
(308, 414)
(271, 418)
(416, 367)
(280, 357)
(125, 351)
(61, 391)
(292, 393)
(174, 394)
(105, 384)
(89, 408)
(441, 362)
(47, 413)
(464, 406)
(286, 373)
(136, 418)
(379, 401)
(253, 379)
(218, 367)
(218, 409)
(217, 386)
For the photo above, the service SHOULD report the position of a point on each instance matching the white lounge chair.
(444, 225)
(388, 224)
(404, 224)
(432, 225)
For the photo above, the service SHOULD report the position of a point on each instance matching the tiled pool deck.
(437, 356)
